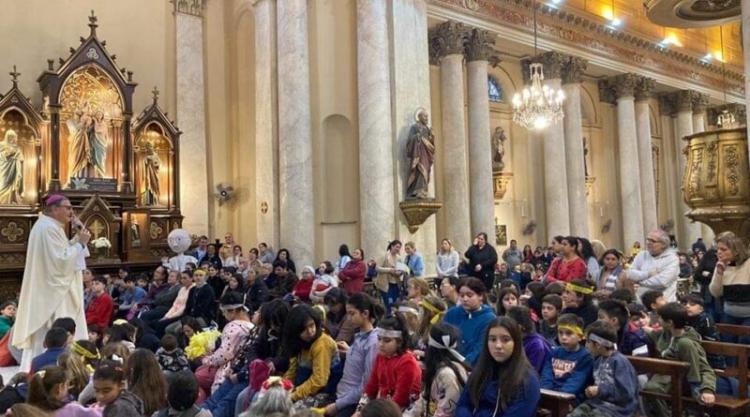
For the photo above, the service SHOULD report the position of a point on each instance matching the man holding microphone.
(52, 284)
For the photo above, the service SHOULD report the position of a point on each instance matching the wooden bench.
(676, 372)
(558, 404)
(733, 330)
(724, 405)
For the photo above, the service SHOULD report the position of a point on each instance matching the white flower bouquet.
(101, 243)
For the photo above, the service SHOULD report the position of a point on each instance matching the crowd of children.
(250, 337)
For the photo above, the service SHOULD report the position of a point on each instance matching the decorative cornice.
(478, 45)
(618, 86)
(593, 36)
(644, 88)
(448, 38)
(191, 7)
(739, 110)
(573, 70)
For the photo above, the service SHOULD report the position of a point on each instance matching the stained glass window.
(494, 89)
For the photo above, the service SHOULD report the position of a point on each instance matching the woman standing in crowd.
(503, 384)
(388, 278)
(569, 266)
(284, 256)
(344, 258)
(586, 252)
(731, 280)
(352, 275)
(611, 271)
(527, 256)
(447, 260)
(482, 259)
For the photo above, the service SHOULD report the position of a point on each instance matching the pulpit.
(120, 173)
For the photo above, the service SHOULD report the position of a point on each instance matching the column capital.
(613, 88)
(700, 102)
(677, 101)
(645, 88)
(478, 46)
(190, 7)
(553, 64)
(573, 70)
(447, 38)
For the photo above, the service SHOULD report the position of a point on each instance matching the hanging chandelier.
(538, 105)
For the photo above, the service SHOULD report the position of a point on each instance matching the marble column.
(683, 101)
(266, 124)
(480, 147)
(191, 117)
(456, 180)
(377, 212)
(296, 203)
(574, 163)
(553, 139)
(700, 103)
(643, 90)
(623, 88)
(410, 72)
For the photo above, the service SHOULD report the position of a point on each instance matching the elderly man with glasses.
(656, 268)
(52, 284)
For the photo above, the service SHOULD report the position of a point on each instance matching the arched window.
(494, 89)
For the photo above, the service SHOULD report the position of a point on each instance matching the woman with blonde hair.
(731, 280)
(447, 260)
(418, 289)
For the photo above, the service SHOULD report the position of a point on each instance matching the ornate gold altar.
(716, 182)
(120, 173)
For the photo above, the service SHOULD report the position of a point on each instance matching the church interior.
(288, 121)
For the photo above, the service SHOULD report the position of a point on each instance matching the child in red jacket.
(99, 311)
(396, 373)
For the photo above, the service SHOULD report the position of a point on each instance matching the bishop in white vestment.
(52, 284)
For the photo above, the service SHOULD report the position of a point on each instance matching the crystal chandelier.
(538, 105)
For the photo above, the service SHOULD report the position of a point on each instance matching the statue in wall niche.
(585, 157)
(498, 149)
(151, 176)
(88, 143)
(11, 169)
(420, 149)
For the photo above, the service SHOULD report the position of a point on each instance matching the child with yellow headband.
(568, 367)
(577, 300)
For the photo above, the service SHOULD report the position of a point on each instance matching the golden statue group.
(89, 141)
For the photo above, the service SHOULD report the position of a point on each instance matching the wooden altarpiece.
(122, 176)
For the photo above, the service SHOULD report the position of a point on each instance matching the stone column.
(480, 147)
(574, 163)
(456, 181)
(266, 124)
(191, 117)
(700, 103)
(553, 139)
(622, 88)
(643, 90)
(296, 208)
(683, 102)
(377, 212)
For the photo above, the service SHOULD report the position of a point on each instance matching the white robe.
(52, 287)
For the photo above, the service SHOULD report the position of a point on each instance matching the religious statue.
(420, 149)
(585, 158)
(498, 149)
(11, 169)
(135, 234)
(89, 140)
(151, 176)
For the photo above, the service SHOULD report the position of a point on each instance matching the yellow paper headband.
(577, 288)
(438, 314)
(573, 329)
(84, 352)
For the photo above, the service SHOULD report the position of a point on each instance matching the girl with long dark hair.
(503, 384)
(146, 380)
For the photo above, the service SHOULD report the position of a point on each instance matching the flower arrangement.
(101, 243)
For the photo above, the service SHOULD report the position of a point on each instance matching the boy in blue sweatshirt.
(568, 366)
(615, 389)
